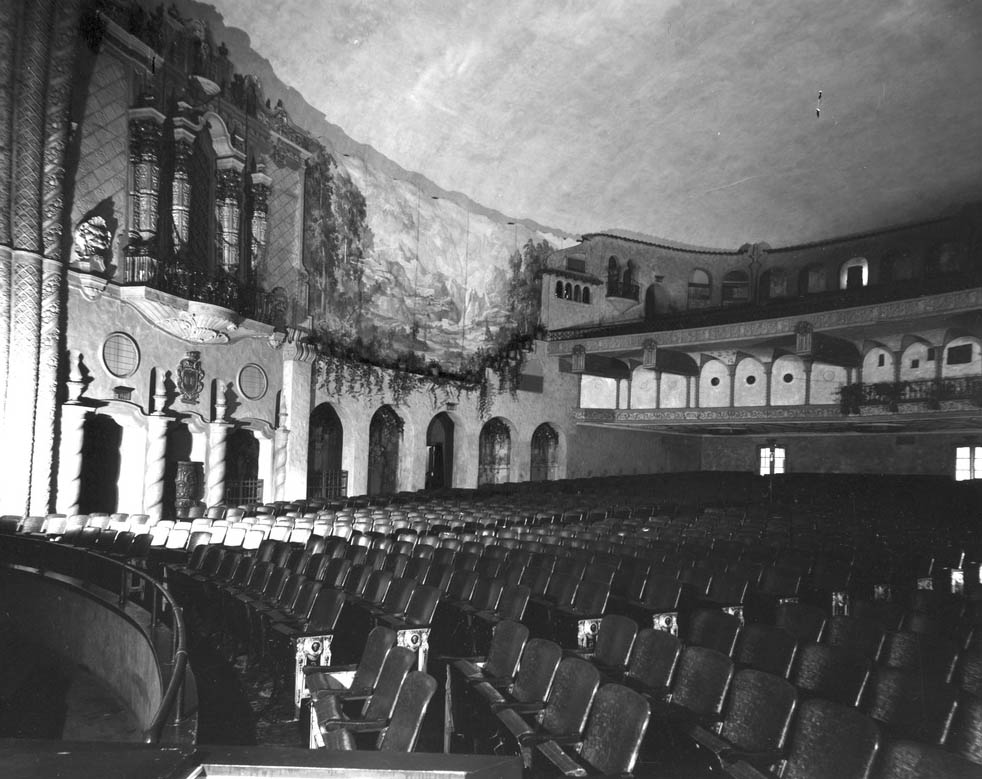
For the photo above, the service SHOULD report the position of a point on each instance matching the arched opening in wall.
(656, 302)
(568, 291)
(700, 289)
(439, 452)
(180, 482)
(98, 491)
(384, 438)
(494, 453)
(576, 293)
(325, 476)
(736, 288)
(811, 280)
(545, 453)
(242, 482)
(941, 260)
(559, 289)
(854, 274)
(613, 272)
(773, 284)
(586, 294)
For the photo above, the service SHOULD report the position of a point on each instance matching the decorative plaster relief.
(200, 323)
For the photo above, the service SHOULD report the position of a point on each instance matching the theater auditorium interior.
(323, 455)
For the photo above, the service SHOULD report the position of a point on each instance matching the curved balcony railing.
(218, 289)
(115, 578)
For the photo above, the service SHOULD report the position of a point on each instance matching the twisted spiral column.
(281, 440)
(70, 456)
(217, 436)
(153, 480)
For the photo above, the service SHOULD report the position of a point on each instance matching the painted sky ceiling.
(695, 122)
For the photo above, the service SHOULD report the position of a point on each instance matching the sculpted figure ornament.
(91, 243)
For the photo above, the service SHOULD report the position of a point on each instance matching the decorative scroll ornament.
(190, 377)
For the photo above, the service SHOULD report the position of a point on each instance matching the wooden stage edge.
(36, 759)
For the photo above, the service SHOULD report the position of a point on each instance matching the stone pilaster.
(768, 378)
(298, 363)
(49, 337)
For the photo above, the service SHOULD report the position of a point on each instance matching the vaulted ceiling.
(693, 121)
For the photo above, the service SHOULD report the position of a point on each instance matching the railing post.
(123, 573)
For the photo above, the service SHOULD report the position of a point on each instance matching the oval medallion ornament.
(190, 377)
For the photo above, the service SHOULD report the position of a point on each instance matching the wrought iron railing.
(623, 289)
(243, 492)
(327, 484)
(116, 580)
(892, 393)
(218, 288)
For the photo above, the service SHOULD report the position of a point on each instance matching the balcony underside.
(951, 417)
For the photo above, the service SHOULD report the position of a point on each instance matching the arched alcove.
(494, 453)
(242, 484)
(545, 453)
(325, 475)
(102, 438)
(384, 438)
(439, 452)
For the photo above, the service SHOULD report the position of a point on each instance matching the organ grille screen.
(968, 463)
(121, 355)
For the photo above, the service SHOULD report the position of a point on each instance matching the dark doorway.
(439, 452)
(494, 453)
(545, 453)
(99, 477)
(384, 436)
(325, 477)
(242, 482)
(854, 277)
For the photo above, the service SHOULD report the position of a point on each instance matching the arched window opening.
(559, 289)
(700, 289)
(736, 288)
(576, 293)
(568, 291)
(545, 453)
(811, 280)
(439, 452)
(586, 294)
(613, 270)
(494, 453)
(854, 274)
(384, 438)
(325, 477)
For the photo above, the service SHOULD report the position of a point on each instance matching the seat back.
(507, 644)
(965, 735)
(306, 598)
(380, 640)
(356, 579)
(854, 633)
(758, 711)
(536, 670)
(929, 655)
(831, 740)
(461, 585)
(653, 659)
(511, 605)
(908, 708)
(487, 593)
(397, 597)
(334, 571)
(591, 598)
(713, 629)
(911, 760)
(422, 605)
(806, 623)
(831, 672)
(414, 696)
(615, 730)
(377, 586)
(398, 662)
(325, 610)
(661, 593)
(615, 638)
(701, 680)
(766, 648)
(573, 689)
